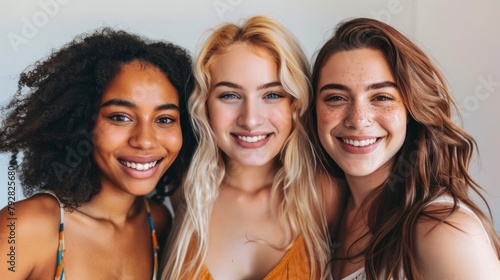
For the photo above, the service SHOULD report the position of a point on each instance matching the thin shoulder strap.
(156, 248)
(448, 199)
(61, 208)
(60, 250)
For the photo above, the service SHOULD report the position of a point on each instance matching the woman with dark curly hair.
(100, 123)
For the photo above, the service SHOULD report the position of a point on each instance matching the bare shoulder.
(334, 192)
(32, 233)
(38, 216)
(443, 246)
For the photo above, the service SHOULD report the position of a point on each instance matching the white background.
(461, 36)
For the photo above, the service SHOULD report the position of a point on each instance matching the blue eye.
(228, 95)
(273, 95)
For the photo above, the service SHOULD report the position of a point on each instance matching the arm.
(9, 251)
(29, 238)
(446, 252)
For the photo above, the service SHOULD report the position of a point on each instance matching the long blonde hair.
(302, 207)
(433, 161)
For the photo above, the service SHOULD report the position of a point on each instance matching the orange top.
(293, 265)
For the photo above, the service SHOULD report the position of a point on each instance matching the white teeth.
(359, 143)
(252, 139)
(140, 166)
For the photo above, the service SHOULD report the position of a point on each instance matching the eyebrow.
(380, 85)
(128, 104)
(385, 84)
(233, 85)
(333, 86)
(269, 85)
(228, 84)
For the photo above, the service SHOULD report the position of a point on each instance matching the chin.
(140, 190)
(357, 171)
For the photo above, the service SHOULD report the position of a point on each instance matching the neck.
(111, 205)
(250, 179)
(360, 189)
(362, 186)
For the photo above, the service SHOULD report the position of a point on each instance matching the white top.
(356, 275)
(360, 273)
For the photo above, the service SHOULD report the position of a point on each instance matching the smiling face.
(249, 111)
(360, 114)
(137, 133)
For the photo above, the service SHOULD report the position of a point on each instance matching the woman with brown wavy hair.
(382, 113)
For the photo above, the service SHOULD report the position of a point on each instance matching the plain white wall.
(461, 36)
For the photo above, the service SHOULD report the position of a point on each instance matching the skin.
(358, 100)
(98, 234)
(247, 101)
(359, 103)
(441, 247)
(249, 111)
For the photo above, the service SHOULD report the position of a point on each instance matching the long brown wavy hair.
(433, 161)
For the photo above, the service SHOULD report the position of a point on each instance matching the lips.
(359, 143)
(140, 165)
(252, 139)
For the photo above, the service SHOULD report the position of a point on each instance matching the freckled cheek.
(394, 120)
(394, 116)
(326, 117)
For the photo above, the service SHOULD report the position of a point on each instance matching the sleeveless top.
(60, 275)
(360, 273)
(293, 265)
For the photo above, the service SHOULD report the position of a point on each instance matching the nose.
(358, 115)
(251, 115)
(143, 136)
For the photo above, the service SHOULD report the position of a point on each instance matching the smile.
(359, 143)
(139, 166)
(252, 139)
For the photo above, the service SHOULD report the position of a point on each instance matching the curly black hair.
(51, 118)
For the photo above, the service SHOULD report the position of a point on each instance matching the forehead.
(242, 61)
(360, 66)
(140, 82)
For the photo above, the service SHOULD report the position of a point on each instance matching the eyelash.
(169, 120)
(119, 118)
(124, 118)
(273, 93)
(384, 96)
(228, 95)
(334, 98)
(269, 95)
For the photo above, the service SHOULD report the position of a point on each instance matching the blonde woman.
(251, 207)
